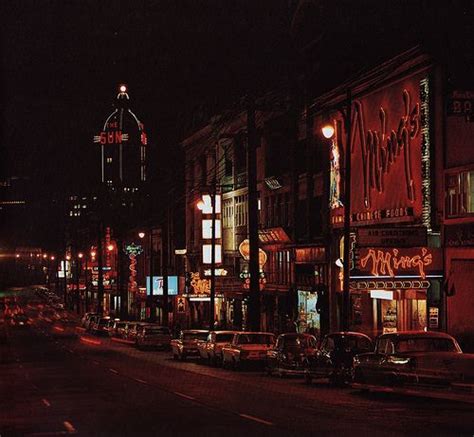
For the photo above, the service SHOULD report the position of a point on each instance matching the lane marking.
(69, 427)
(96, 362)
(70, 350)
(113, 371)
(140, 380)
(184, 395)
(46, 402)
(256, 419)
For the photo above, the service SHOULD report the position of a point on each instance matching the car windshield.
(255, 339)
(224, 337)
(299, 342)
(156, 331)
(195, 336)
(426, 345)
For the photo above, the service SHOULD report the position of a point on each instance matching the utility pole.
(253, 310)
(347, 215)
(212, 304)
(152, 299)
(100, 283)
(164, 266)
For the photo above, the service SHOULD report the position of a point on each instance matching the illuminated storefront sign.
(394, 262)
(390, 156)
(133, 250)
(158, 285)
(198, 285)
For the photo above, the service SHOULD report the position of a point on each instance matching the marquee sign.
(389, 156)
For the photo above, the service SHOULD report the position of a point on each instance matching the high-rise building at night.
(123, 142)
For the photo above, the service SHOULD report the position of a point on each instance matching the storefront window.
(308, 317)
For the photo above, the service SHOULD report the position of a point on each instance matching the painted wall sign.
(418, 261)
(461, 103)
(459, 235)
(390, 237)
(390, 139)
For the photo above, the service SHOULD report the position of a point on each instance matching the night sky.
(62, 61)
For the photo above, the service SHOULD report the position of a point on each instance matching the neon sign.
(391, 262)
(111, 137)
(200, 286)
(381, 149)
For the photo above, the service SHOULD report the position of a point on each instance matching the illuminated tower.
(123, 146)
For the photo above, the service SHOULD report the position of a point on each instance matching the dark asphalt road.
(93, 386)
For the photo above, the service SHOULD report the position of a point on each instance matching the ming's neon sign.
(382, 148)
(392, 262)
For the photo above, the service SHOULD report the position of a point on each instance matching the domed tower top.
(123, 140)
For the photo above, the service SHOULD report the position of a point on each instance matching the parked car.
(100, 325)
(187, 344)
(86, 319)
(432, 358)
(153, 336)
(290, 354)
(334, 357)
(132, 330)
(211, 349)
(117, 328)
(247, 347)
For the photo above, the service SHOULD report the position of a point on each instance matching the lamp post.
(80, 255)
(328, 132)
(142, 235)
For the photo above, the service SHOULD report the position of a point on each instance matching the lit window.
(207, 253)
(207, 229)
(109, 160)
(207, 207)
(460, 193)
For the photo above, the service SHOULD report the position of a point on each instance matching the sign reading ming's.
(418, 261)
(386, 155)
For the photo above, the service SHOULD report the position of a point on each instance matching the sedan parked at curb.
(187, 344)
(153, 336)
(211, 349)
(334, 357)
(247, 347)
(414, 358)
(290, 354)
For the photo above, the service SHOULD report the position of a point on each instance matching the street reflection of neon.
(90, 341)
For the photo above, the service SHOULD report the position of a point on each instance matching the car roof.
(348, 334)
(417, 334)
(226, 332)
(295, 334)
(255, 332)
(195, 331)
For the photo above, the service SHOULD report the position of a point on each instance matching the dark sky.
(62, 61)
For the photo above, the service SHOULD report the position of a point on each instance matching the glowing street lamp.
(141, 235)
(110, 247)
(80, 255)
(328, 131)
(123, 89)
(52, 258)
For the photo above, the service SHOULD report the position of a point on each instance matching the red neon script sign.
(392, 262)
